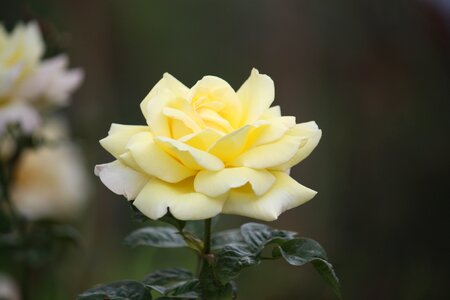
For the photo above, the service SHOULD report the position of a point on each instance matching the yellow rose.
(209, 150)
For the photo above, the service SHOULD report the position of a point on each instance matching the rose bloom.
(27, 81)
(51, 182)
(209, 150)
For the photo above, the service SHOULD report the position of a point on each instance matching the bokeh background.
(375, 76)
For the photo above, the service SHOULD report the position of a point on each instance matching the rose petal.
(212, 89)
(218, 183)
(285, 194)
(270, 155)
(155, 161)
(157, 197)
(192, 158)
(231, 145)
(202, 140)
(120, 179)
(169, 83)
(312, 133)
(119, 136)
(256, 95)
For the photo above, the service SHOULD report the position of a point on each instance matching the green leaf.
(120, 290)
(231, 260)
(300, 251)
(258, 235)
(227, 237)
(163, 280)
(212, 288)
(170, 219)
(186, 290)
(162, 237)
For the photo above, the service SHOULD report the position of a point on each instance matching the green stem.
(203, 262)
(207, 238)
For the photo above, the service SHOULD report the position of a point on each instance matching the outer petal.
(270, 155)
(184, 203)
(169, 83)
(256, 95)
(119, 136)
(193, 158)
(218, 183)
(121, 179)
(285, 194)
(312, 133)
(155, 161)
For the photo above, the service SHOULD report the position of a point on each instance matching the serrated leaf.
(120, 290)
(162, 237)
(300, 251)
(258, 235)
(231, 260)
(162, 280)
(227, 237)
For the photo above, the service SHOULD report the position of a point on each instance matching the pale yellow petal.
(270, 155)
(168, 82)
(312, 134)
(256, 96)
(285, 194)
(182, 117)
(272, 112)
(218, 183)
(191, 157)
(155, 161)
(231, 145)
(120, 179)
(214, 93)
(119, 136)
(265, 132)
(213, 119)
(157, 197)
(202, 140)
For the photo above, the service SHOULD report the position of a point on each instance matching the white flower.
(26, 80)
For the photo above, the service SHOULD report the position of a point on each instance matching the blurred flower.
(8, 288)
(210, 150)
(50, 182)
(27, 81)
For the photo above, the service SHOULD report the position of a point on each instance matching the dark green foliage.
(231, 260)
(162, 280)
(161, 237)
(258, 235)
(232, 252)
(300, 251)
(120, 290)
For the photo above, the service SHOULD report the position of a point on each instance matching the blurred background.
(375, 76)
